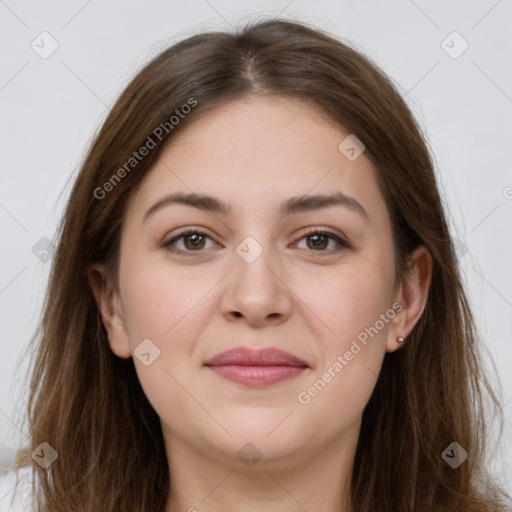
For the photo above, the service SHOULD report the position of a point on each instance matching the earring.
(400, 339)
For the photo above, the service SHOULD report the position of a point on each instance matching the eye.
(321, 238)
(194, 241)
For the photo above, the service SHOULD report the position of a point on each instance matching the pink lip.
(256, 368)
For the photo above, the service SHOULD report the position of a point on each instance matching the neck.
(318, 481)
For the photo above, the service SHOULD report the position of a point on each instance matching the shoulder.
(15, 498)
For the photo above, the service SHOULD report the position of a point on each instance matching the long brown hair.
(88, 404)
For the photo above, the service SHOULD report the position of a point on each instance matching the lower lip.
(257, 376)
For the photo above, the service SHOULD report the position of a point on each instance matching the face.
(315, 281)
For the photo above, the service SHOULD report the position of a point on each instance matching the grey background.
(51, 107)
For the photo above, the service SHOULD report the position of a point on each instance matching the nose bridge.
(256, 289)
(255, 261)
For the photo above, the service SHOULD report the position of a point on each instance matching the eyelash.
(342, 243)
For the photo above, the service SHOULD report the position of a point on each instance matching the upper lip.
(255, 357)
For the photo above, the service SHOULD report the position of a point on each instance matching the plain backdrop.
(450, 60)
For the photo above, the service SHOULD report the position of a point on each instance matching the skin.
(254, 154)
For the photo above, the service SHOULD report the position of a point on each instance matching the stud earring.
(400, 339)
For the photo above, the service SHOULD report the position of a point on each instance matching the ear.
(412, 294)
(111, 310)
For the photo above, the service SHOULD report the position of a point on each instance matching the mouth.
(256, 368)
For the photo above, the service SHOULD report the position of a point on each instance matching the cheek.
(353, 303)
(350, 299)
(168, 308)
(158, 300)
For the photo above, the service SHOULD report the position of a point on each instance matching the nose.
(256, 292)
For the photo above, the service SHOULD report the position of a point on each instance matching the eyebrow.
(293, 205)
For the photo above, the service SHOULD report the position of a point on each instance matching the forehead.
(257, 152)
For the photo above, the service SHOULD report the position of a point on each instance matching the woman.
(255, 301)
